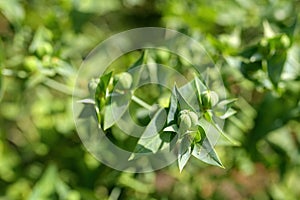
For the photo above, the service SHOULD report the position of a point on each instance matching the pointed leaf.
(275, 66)
(182, 102)
(156, 124)
(184, 151)
(172, 128)
(115, 109)
(172, 107)
(228, 113)
(46, 185)
(205, 152)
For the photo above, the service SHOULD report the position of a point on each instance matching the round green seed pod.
(194, 118)
(187, 120)
(124, 80)
(184, 122)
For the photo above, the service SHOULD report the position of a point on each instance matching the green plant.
(185, 123)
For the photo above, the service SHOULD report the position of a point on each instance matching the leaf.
(146, 146)
(13, 11)
(115, 109)
(275, 66)
(205, 152)
(200, 87)
(156, 124)
(183, 104)
(226, 102)
(137, 75)
(224, 135)
(0, 83)
(86, 101)
(172, 128)
(228, 113)
(151, 140)
(184, 152)
(101, 89)
(172, 107)
(46, 185)
(189, 94)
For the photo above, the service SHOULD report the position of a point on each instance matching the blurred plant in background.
(256, 45)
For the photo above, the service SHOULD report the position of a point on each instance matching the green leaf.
(205, 152)
(156, 124)
(200, 88)
(172, 128)
(224, 135)
(137, 75)
(275, 66)
(13, 11)
(0, 83)
(184, 152)
(46, 185)
(228, 113)
(172, 107)
(183, 104)
(151, 140)
(116, 108)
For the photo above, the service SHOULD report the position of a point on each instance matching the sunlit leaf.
(115, 108)
(184, 151)
(205, 152)
(172, 107)
(46, 185)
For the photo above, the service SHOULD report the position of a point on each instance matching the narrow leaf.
(172, 128)
(115, 109)
(172, 107)
(182, 102)
(228, 113)
(184, 152)
(205, 152)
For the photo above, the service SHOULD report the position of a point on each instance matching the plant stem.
(141, 102)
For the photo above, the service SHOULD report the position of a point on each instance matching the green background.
(255, 44)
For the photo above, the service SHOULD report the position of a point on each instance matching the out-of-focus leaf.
(275, 66)
(13, 11)
(46, 185)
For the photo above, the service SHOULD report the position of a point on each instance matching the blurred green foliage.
(255, 44)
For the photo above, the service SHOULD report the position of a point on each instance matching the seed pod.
(206, 99)
(124, 80)
(194, 118)
(186, 120)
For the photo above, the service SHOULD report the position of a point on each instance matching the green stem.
(141, 102)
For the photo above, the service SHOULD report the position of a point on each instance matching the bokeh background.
(255, 44)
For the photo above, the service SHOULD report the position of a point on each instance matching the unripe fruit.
(186, 120)
(124, 80)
